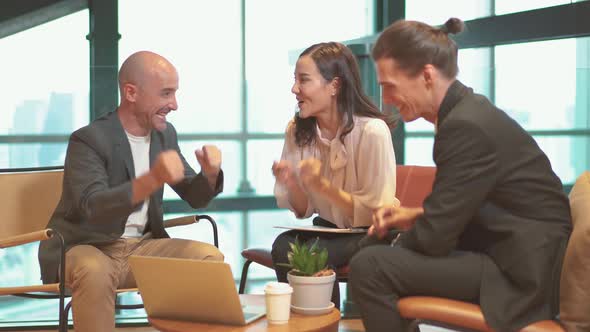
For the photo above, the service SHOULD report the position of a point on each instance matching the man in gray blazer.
(495, 227)
(114, 173)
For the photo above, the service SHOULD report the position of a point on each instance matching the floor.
(346, 325)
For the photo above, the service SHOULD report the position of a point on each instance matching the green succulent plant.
(307, 260)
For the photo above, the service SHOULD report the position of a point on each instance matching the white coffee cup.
(278, 302)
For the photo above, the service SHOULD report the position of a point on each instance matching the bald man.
(115, 169)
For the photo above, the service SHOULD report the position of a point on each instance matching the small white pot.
(311, 292)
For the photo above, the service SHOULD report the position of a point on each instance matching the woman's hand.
(309, 172)
(284, 173)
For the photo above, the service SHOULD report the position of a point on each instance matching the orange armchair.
(413, 184)
(456, 315)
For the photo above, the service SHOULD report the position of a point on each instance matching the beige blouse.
(364, 167)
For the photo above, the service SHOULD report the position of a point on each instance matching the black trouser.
(341, 247)
(381, 274)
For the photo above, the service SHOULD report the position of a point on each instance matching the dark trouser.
(341, 247)
(381, 274)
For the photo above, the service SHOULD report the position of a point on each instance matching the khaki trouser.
(95, 272)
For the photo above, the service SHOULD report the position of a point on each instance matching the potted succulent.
(310, 277)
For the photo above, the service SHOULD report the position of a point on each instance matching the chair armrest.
(181, 221)
(191, 219)
(26, 238)
(17, 290)
(261, 256)
(213, 225)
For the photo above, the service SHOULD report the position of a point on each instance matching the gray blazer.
(495, 193)
(96, 197)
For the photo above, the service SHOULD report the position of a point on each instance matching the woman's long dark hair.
(335, 60)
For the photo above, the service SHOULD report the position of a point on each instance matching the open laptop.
(190, 290)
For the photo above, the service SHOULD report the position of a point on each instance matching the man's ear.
(130, 92)
(428, 74)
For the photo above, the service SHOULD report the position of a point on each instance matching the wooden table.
(327, 322)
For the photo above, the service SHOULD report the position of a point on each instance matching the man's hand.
(387, 218)
(284, 173)
(168, 168)
(309, 171)
(209, 157)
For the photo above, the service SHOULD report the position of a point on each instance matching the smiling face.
(314, 94)
(156, 96)
(409, 94)
(148, 84)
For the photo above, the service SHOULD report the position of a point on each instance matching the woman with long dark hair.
(338, 160)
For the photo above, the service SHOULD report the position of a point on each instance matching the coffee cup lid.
(274, 287)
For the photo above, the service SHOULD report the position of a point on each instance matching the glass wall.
(271, 54)
(202, 39)
(474, 71)
(542, 85)
(273, 43)
(509, 6)
(241, 104)
(44, 98)
(437, 12)
(546, 97)
(236, 59)
(43, 95)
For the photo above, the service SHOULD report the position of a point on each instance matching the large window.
(438, 12)
(476, 72)
(235, 60)
(242, 104)
(43, 95)
(44, 92)
(273, 44)
(542, 85)
(202, 40)
(545, 98)
(549, 98)
(509, 6)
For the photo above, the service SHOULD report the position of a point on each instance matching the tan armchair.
(574, 294)
(27, 200)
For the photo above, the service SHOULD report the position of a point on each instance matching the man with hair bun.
(495, 227)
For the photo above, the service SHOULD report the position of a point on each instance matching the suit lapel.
(122, 147)
(155, 146)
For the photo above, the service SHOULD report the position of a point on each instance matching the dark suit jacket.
(495, 193)
(96, 197)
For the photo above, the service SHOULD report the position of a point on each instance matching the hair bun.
(453, 26)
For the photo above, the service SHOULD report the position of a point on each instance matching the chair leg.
(244, 276)
(67, 311)
(63, 315)
(414, 326)
(63, 311)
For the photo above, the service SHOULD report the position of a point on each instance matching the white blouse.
(364, 167)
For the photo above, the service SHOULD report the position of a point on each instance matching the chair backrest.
(27, 200)
(575, 274)
(414, 184)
